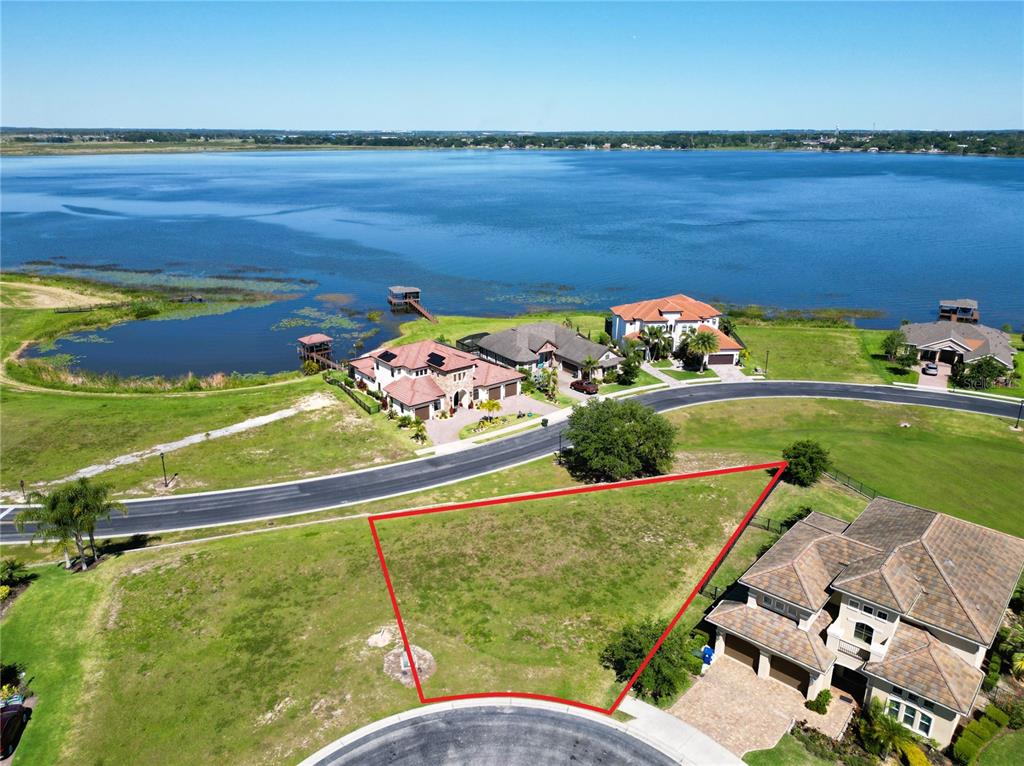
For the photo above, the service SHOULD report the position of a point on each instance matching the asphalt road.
(215, 508)
(511, 736)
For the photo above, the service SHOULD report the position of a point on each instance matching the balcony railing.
(854, 651)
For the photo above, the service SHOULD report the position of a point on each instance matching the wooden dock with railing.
(405, 298)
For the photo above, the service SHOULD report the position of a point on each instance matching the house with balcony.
(900, 605)
(676, 315)
(426, 378)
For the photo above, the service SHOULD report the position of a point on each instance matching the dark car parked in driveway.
(13, 717)
(584, 387)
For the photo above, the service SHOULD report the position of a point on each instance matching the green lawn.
(965, 465)
(642, 379)
(1004, 750)
(789, 752)
(524, 596)
(194, 620)
(692, 374)
(818, 353)
(455, 327)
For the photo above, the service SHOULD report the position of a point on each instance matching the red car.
(584, 387)
(13, 717)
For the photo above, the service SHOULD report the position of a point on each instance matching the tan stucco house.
(901, 604)
(425, 378)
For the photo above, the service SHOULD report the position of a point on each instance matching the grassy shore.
(451, 328)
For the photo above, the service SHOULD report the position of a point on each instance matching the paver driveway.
(743, 712)
(940, 381)
(443, 431)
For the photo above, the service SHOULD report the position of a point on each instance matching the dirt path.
(317, 401)
(29, 295)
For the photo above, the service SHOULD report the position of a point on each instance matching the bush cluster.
(5, 592)
(995, 667)
(845, 751)
(820, 703)
(977, 733)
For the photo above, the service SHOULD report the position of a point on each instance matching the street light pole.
(24, 495)
(766, 352)
(163, 466)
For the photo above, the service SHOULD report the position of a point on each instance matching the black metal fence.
(848, 481)
(772, 525)
(360, 400)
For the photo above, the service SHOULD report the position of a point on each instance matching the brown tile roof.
(966, 572)
(317, 337)
(652, 310)
(425, 353)
(776, 633)
(826, 523)
(412, 391)
(884, 578)
(365, 365)
(801, 565)
(919, 662)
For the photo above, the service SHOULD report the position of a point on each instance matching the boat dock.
(405, 298)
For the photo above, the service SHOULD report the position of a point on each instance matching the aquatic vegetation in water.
(337, 299)
(86, 338)
(311, 317)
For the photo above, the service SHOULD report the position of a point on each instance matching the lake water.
(501, 232)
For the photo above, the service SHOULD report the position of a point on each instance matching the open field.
(523, 596)
(965, 465)
(1004, 750)
(279, 662)
(454, 327)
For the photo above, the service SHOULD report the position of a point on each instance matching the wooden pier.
(404, 298)
(318, 348)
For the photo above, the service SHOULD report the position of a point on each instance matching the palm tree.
(52, 519)
(1017, 665)
(91, 503)
(589, 365)
(657, 342)
(419, 431)
(882, 733)
(490, 406)
(703, 343)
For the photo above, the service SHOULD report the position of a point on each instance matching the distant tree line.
(985, 142)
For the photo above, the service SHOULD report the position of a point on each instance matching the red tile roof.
(412, 391)
(653, 310)
(365, 365)
(317, 337)
(725, 343)
(414, 356)
(488, 374)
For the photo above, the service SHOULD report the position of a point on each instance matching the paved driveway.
(729, 373)
(443, 431)
(743, 712)
(940, 381)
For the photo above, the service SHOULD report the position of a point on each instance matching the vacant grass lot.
(1004, 750)
(523, 596)
(965, 465)
(789, 752)
(820, 353)
(455, 327)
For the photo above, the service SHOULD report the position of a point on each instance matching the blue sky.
(529, 66)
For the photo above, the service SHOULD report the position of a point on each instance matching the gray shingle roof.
(975, 340)
(521, 344)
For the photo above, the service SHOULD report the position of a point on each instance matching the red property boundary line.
(779, 466)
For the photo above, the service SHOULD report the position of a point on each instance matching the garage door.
(720, 359)
(948, 356)
(423, 413)
(743, 651)
(494, 393)
(569, 368)
(789, 673)
(510, 389)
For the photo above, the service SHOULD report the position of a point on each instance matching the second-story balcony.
(860, 652)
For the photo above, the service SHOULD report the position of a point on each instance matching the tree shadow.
(115, 547)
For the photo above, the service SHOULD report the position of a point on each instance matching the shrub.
(309, 367)
(404, 421)
(995, 666)
(997, 715)
(610, 376)
(820, 703)
(692, 663)
(801, 513)
(912, 755)
(12, 572)
(192, 383)
(966, 748)
(807, 460)
(7, 691)
(5, 592)
(143, 310)
(1015, 711)
(982, 728)
(700, 638)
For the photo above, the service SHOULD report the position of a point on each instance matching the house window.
(854, 604)
(894, 707)
(928, 704)
(909, 714)
(868, 609)
(882, 615)
(897, 691)
(914, 698)
(863, 632)
(925, 725)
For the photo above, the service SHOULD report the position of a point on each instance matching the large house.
(676, 315)
(545, 344)
(899, 605)
(952, 342)
(426, 378)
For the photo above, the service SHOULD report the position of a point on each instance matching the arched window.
(863, 632)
